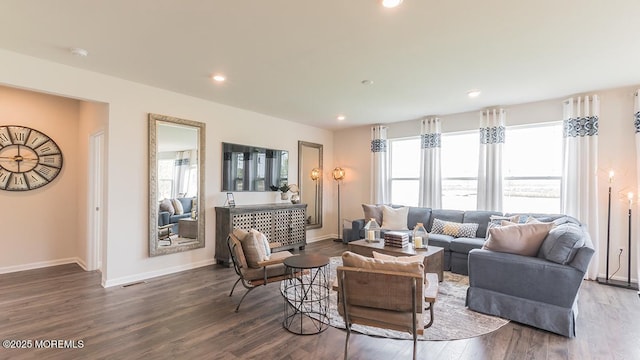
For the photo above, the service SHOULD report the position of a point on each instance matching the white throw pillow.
(177, 205)
(394, 219)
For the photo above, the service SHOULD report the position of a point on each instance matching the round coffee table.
(306, 294)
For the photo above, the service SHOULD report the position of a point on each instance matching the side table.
(306, 294)
(188, 228)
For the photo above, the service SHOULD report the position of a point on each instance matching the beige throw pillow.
(253, 248)
(394, 219)
(351, 259)
(521, 239)
(402, 259)
(167, 205)
(177, 205)
(372, 211)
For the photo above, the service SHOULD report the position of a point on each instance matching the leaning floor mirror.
(176, 184)
(310, 181)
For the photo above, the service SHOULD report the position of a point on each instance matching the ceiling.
(304, 60)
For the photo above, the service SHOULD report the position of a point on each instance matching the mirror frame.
(301, 146)
(154, 250)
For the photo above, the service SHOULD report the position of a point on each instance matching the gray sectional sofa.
(456, 250)
(540, 290)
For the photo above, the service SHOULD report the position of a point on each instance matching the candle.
(630, 196)
(371, 235)
(418, 242)
(610, 176)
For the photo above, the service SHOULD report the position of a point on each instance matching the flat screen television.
(252, 168)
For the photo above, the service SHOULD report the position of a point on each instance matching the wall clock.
(29, 159)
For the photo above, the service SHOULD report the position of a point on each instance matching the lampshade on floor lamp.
(315, 175)
(338, 175)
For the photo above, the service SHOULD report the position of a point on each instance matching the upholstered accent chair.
(257, 274)
(387, 295)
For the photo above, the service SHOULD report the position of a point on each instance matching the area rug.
(453, 320)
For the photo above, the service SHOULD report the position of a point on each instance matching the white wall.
(616, 151)
(129, 103)
(39, 227)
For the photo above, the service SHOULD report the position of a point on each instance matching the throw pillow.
(265, 242)
(177, 205)
(402, 259)
(562, 243)
(351, 259)
(253, 249)
(394, 219)
(521, 239)
(454, 229)
(372, 211)
(166, 205)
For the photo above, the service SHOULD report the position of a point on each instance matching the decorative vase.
(284, 196)
(295, 198)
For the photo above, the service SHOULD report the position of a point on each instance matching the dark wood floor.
(190, 316)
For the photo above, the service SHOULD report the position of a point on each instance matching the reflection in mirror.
(251, 168)
(310, 181)
(176, 178)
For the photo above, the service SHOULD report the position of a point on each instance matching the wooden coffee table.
(433, 255)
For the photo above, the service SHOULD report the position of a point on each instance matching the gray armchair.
(529, 290)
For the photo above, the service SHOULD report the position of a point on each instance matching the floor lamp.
(315, 175)
(338, 175)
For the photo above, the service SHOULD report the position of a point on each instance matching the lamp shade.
(338, 173)
(315, 174)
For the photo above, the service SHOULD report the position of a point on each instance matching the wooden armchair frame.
(385, 299)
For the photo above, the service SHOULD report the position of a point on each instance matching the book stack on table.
(396, 239)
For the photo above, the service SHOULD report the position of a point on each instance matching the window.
(165, 175)
(532, 168)
(459, 165)
(405, 170)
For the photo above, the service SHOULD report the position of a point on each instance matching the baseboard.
(41, 264)
(152, 274)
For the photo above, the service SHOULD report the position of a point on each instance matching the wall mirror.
(310, 181)
(176, 184)
(252, 168)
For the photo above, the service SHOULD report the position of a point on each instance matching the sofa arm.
(163, 218)
(524, 277)
(356, 228)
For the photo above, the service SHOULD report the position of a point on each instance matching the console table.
(283, 225)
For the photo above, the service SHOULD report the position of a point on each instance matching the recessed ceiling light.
(341, 117)
(391, 3)
(219, 78)
(473, 93)
(366, 82)
(79, 52)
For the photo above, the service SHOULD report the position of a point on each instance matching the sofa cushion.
(372, 211)
(446, 215)
(454, 229)
(394, 219)
(418, 215)
(562, 243)
(441, 240)
(351, 259)
(481, 218)
(521, 239)
(463, 245)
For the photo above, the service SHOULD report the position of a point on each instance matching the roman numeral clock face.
(29, 159)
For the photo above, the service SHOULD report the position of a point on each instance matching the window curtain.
(490, 161)
(379, 165)
(182, 172)
(636, 125)
(430, 176)
(579, 167)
